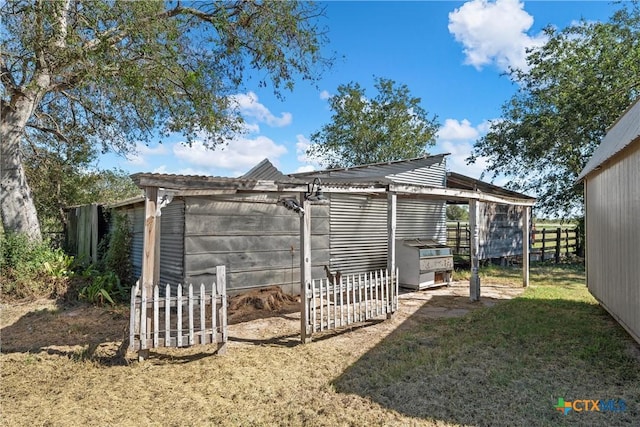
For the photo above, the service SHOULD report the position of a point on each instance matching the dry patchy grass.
(440, 361)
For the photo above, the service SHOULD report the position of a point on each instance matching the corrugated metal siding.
(500, 231)
(254, 237)
(421, 218)
(136, 218)
(423, 171)
(358, 233)
(172, 243)
(433, 175)
(613, 233)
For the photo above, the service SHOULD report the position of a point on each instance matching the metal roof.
(374, 170)
(458, 181)
(624, 132)
(266, 171)
(374, 178)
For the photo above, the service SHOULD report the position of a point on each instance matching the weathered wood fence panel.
(555, 243)
(352, 298)
(205, 321)
(546, 243)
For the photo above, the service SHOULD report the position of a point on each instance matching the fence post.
(566, 241)
(221, 289)
(544, 244)
(558, 242)
(458, 238)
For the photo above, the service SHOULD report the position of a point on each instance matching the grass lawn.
(501, 365)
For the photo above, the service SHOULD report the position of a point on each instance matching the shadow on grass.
(507, 365)
(80, 332)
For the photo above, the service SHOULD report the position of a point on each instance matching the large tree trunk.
(16, 203)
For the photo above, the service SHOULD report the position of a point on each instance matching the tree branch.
(54, 132)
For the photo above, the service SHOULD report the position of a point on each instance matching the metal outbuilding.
(611, 181)
(242, 223)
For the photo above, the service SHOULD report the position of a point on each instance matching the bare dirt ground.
(60, 366)
(44, 327)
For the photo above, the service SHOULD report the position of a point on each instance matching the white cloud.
(250, 107)
(494, 32)
(239, 155)
(302, 145)
(324, 95)
(141, 151)
(305, 168)
(456, 130)
(457, 137)
(456, 162)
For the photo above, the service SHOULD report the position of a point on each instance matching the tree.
(62, 175)
(107, 74)
(579, 83)
(457, 213)
(391, 126)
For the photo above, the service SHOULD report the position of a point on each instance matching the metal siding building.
(255, 238)
(500, 230)
(242, 224)
(612, 218)
(358, 237)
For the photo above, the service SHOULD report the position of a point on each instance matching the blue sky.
(450, 54)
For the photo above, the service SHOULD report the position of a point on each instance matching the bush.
(102, 287)
(117, 257)
(31, 269)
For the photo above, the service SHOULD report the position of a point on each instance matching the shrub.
(31, 269)
(117, 257)
(102, 287)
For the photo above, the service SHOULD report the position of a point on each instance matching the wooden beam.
(458, 194)
(94, 233)
(526, 229)
(305, 269)
(149, 239)
(392, 200)
(474, 243)
(148, 258)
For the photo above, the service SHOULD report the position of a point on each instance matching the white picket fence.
(355, 298)
(161, 321)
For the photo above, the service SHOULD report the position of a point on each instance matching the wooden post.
(526, 225)
(221, 289)
(149, 253)
(94, 233)
(558, 243)
(392, 200)
(474, 250)
(305, 268)
(458, 238)
(544, 244)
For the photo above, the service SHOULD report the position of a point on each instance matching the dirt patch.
(261, 303)
(43, 326)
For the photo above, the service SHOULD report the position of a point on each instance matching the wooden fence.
(161, 321)
(546, 243)
(351, 299)
(554, 243)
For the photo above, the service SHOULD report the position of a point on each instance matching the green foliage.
(102, 287)
(120, 70)
(60, 175)
(457, 213)
(88, 77)
(109, 280)
(31, 269)
(578, 84)
(391, 126)
(117, 258)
